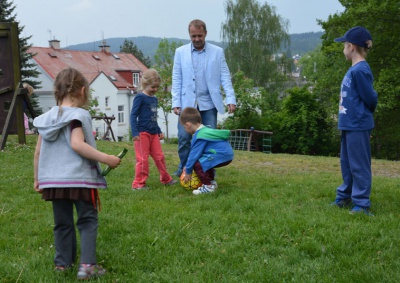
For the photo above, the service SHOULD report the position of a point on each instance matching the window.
(136, 79)
(107, 100)
(121, 114)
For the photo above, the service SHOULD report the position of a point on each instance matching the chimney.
(104, 47)
(54, 43)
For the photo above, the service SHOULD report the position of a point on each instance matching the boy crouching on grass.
(210, 149)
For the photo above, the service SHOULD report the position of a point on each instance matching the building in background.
(114, 79)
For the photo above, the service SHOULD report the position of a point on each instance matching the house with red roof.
(114, 79)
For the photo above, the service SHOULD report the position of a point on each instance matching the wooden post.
(108, 120)
(250, 139)
(10, 80)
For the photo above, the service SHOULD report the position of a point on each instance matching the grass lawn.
(269, 221)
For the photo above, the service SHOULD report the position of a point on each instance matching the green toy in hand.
(108, 168)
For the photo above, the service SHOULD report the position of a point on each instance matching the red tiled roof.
(90, 63)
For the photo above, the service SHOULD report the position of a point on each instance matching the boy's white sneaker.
(204, 189)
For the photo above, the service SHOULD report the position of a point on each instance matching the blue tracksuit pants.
(355, 162)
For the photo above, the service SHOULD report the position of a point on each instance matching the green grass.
(269, 221)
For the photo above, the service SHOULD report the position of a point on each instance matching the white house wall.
(45, 93)
(172, 124)
(123, 98)
(101, 88)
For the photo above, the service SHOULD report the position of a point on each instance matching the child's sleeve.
(76, 124)
(196, 152)
(364, 82)
(134, 116)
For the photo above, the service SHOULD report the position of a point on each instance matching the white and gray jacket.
(59, 165)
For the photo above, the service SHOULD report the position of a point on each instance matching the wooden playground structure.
(13, 96)
(251, 140)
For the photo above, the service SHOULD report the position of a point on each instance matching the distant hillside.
(300, 43)
(147, 44)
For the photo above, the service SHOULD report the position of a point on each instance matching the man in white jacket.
(199, 71)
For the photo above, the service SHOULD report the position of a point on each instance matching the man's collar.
(194, 49)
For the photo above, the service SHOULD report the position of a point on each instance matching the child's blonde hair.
(191, 115)
(29, 88)
(364, 50)
(150, 77)
(69, 82)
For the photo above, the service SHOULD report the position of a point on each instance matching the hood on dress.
(50, 123)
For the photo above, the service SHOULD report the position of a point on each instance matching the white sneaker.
(205, 189)
(214, 183)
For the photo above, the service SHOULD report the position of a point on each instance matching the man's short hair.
(198, 24)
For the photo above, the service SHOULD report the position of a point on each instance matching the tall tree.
(164, 61)
(128, 46)
(254, 33)
(248, 112)
(28, 73)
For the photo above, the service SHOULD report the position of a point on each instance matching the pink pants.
(149, 145)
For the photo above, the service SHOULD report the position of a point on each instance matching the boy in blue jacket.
(358, 101)
(210, 149)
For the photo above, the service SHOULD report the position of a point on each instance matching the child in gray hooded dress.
(67, 172)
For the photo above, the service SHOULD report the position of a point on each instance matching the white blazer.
(217, 74)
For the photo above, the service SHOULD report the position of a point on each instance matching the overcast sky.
(82, 21)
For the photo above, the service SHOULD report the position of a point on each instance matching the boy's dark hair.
(191, 115)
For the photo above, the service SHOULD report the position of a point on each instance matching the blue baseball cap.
(356, 35)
